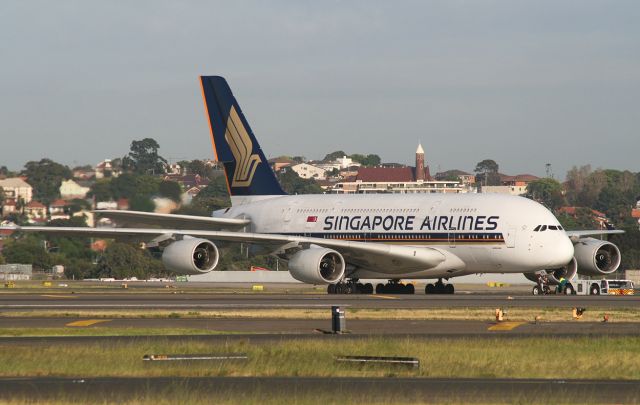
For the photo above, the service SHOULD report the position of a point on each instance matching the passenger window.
(537, 228)
(544, 228)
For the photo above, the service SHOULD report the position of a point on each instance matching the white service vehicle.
(606, 287)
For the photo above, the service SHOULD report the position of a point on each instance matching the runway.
(132, 299)
(423, 390)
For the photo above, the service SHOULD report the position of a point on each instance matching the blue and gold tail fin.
(246, 168)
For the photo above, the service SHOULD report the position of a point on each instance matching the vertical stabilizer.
(246, 168)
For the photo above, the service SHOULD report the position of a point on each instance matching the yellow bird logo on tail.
(241, 147)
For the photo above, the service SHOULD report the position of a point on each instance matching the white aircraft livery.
(339, 239)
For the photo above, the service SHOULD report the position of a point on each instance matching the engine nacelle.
(317, 266)
(596, 257)
(191, 256)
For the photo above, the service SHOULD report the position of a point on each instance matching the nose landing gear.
(439, 288)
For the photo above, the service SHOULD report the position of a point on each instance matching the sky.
(524, 83)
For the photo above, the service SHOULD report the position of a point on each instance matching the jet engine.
(596, 257)
(190, 256)
(317, 266)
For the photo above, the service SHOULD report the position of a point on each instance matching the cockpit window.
(544, 228)
(560, 228)
(537, 228)
(553, 228)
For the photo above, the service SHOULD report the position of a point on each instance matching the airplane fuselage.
(488, 232)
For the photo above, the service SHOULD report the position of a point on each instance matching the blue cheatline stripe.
(410, 237)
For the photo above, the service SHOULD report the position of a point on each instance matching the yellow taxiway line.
(88, 322)
(506, 325)
(59, 296)
(386, 297)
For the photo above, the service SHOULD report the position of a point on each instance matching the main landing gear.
(350, 287)
(395, 287)
(439, 288)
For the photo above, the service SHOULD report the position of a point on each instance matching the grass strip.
(565, 358)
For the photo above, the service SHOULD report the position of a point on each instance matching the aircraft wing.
(576, 235)
(393, 259)
(131, 219)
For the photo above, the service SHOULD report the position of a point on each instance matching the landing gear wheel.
(568, 290)
(595, 290)
(536, 290)
(430, 289)
(380, 288)
(448, 289)
(340, 288)
(368, 288)
(411, 289)
(331, 289)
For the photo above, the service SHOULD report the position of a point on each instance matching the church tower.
(420, 164)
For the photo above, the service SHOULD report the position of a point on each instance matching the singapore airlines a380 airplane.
(339, 239)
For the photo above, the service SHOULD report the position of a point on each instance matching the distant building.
(465, 178)
(188, 181)
(9, 207)
(106, 169)
(15, 272)
(69, 190)
(397, 179)
(513, 185)
(280, 163)
(597, 216)
(17, 189)
(308, 171)
(58, 209)
(36, 212)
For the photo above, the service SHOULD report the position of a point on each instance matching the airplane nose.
(562, 251)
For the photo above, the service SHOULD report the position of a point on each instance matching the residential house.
(17, 188)
(59, 209)
(308, 171)
(69, 190)
(280, 163)
(106, 169)
(36, 212)
(9, 207)
(513, 185)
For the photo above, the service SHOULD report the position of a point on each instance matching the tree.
(487, 173)
(142, 203)
(547, 191)
(144, 157)
(27, 250)
(330, 157)
(122, 260)
(46, 177)
(294, 184)
(368, 160)
(2, 198)
(170, 189)
(101, 190)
